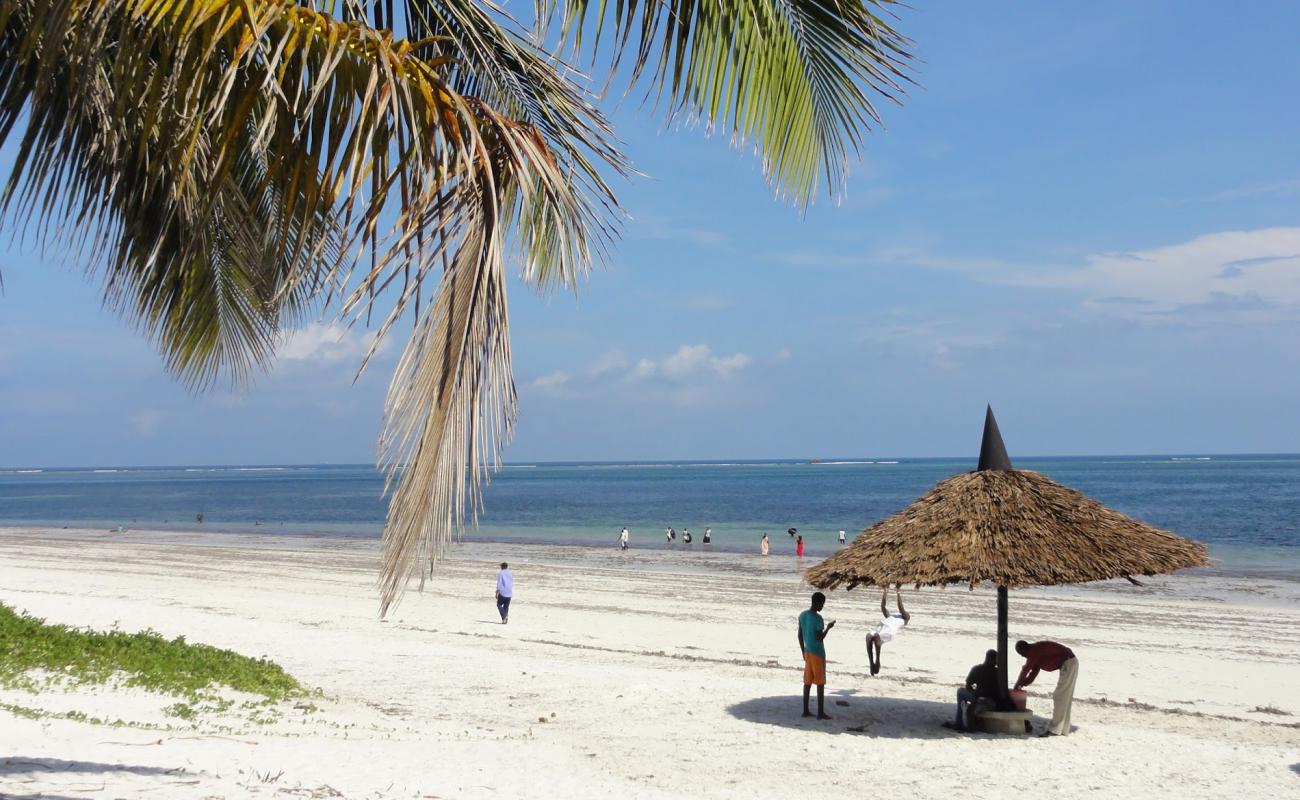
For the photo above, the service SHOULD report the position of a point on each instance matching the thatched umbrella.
(1010, 527)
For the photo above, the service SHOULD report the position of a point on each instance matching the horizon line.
(828, 461)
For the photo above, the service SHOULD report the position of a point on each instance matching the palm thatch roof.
(1010, 527)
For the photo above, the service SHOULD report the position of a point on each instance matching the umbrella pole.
(1004, 697)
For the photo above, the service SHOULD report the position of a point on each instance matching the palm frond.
(799, 79)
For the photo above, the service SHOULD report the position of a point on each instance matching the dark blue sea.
(1246, 508)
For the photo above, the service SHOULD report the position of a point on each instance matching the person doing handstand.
(886, 629)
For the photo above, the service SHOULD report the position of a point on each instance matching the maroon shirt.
(1043, 655)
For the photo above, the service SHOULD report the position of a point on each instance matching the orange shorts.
(814, 670)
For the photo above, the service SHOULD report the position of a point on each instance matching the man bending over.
(1051, 656)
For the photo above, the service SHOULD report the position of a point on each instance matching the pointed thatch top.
(1011, 528)
(993, 453)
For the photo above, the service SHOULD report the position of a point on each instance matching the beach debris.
(543, 719)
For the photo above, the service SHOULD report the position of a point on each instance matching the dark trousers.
(964, 698)
(503, 607)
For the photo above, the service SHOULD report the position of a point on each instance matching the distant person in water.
(708, 535)
(762, 547)
(1051, 656)
(792, 532)
(505, 590)
(686, 535)
(981, 683)
(841, 536)
(812, 634)
(670, 535)
(622, 538)
(887, 629)
(798, 547)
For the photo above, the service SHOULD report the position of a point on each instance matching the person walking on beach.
(686, 535)
(981, 682)
(762, 546)
(669, 535)
(798, 547)
(841, 536)
(1052, 657)
(812, 634)
(708, 535)
(622, 538)
(505, 590)
(888, 628)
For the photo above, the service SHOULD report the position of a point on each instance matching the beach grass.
(58, 653)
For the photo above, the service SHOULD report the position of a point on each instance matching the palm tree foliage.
(224, 167)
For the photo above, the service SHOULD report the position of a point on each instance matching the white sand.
(644, 675)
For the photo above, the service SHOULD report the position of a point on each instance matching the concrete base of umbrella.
(1016, 722)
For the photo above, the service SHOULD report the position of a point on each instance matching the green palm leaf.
(799, 79)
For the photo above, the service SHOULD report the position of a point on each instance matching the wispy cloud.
(612, 364)
(662, 228)
(1236, 270)
(1246, 275)
(687, 367)
(552, 382)
(1283, 188)
(145, 423)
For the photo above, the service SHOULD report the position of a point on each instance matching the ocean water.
(1246, 508)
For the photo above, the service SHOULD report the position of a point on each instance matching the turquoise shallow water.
(1246, 508)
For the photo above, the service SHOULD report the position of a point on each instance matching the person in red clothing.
(1052, 657)
(798, 548)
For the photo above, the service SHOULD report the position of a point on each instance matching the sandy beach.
(645, 674)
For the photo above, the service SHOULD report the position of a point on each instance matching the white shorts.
(888, 629)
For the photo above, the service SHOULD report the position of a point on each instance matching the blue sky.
(1087, 215)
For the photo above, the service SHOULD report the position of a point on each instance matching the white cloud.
(321, 342)
(693, 361)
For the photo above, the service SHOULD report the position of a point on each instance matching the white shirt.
(841, 536)
(505, 583)
(623, 536)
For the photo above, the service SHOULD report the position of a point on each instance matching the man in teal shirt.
(812, 633)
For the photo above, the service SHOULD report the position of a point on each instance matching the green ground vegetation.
(193, 672)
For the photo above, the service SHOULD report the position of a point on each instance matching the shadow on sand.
(885, 717)
(1296, 768)
(21, 765)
